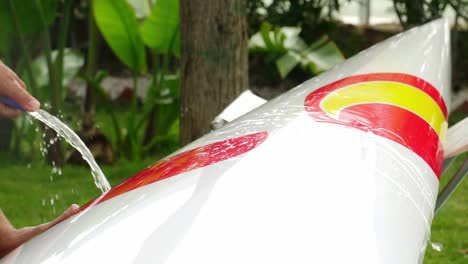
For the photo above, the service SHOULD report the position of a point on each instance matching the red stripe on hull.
(186, 161)
(392, 122)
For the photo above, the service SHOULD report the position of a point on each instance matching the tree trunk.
(214, 61)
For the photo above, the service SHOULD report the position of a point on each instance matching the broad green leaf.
(72, 62)
(287, 63)
(265, 32)
(5, 44)
(292, 41)
(167, 109)
(256, 42)
(118, 24)
(322, 58)
(160, 30)
(287, 49)
(173, 84)
(27, 15)
(142, 8)
(277, 39)
(318, 43)
(266, 40)
(176, 44)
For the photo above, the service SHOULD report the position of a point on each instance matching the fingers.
(69, 212)
(21, 83)
(11, 73)
(12, 86)
(24, 234)
(4, 223)
(9, 112)
(11, 238)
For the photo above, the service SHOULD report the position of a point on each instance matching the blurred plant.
(287, 50)
(416, 12)
(72, 63)
(21, 20)
(118, 23)
(28, 21)
(461, 9)
(313, 16)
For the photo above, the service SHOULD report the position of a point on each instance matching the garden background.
(111, 69)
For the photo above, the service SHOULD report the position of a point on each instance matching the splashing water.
(437, 246)
(71, 137)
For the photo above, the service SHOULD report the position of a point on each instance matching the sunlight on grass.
(32, 194)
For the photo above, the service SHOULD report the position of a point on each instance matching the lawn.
(450, 228)
(31, 193)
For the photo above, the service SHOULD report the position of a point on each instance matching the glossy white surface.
(311, 193)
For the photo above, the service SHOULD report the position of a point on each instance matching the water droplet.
(29, 165)
(52, 201)
(437, 246)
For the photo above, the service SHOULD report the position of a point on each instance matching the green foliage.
(164, 101)
(28, 22)
(416, 12)
(118, 24)
(160, 31)
(73, 61)
(287, 50)
(142, 7)
(166, 109)
(313, 16)
(21, 17)
(25, 11)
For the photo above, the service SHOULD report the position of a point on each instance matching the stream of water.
(71, 137)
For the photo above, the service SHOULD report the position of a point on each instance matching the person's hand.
(11, 238)
(13, 87)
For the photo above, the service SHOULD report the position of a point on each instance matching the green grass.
(31, 194)
(450, 226)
